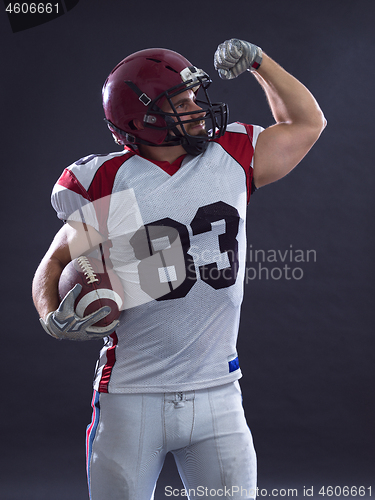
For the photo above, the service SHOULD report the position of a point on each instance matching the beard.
(201, 131)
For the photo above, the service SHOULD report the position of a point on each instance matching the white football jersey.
(177, 240)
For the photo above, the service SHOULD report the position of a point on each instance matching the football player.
(168, 213)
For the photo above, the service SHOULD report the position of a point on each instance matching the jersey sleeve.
(83, 191)
(239, 141)
(72, 202)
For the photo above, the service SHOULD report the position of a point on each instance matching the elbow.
(320, 120)
(317, 126)
(323, 121)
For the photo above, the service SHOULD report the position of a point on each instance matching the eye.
(180, 106)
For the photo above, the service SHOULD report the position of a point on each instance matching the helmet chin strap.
(195, 145)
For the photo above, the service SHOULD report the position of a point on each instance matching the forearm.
(73, 239)
(290, 101)
(47, 275)
(45, 285)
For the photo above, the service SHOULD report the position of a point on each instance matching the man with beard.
(168, 214)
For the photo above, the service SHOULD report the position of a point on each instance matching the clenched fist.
(234, 57)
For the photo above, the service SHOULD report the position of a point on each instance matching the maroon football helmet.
(136, 89)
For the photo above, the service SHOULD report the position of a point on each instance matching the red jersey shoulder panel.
(238, 142)
(103, 180)
(92, 180)
(69, 181)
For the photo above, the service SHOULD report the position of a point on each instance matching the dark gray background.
(306, 346)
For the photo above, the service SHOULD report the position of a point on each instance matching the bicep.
(279, 149)
(72, 240)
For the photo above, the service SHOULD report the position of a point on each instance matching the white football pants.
(206, 431)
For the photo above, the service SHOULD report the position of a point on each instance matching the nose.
(196, 108)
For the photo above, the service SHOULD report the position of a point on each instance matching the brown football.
(100, 287)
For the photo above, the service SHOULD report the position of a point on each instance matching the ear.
(138, 124)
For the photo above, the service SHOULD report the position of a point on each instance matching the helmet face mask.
(139, 87)
(215, 117)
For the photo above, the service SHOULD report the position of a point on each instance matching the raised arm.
(299, 119)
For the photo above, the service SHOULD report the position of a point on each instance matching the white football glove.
(65, 324)
(234, 57)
